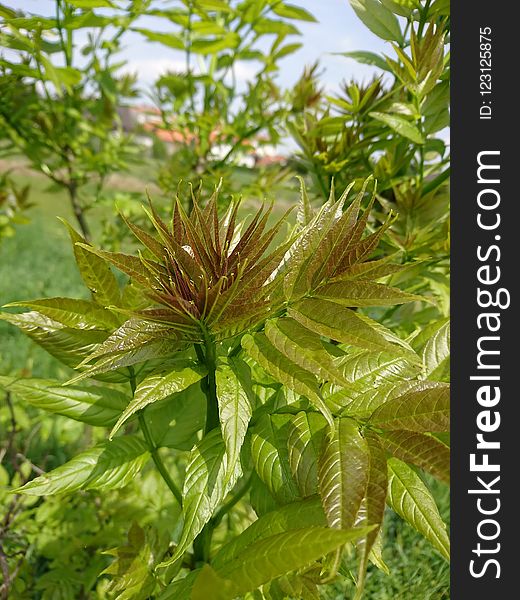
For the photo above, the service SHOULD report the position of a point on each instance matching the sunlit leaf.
(378, 19)
(271, 458)
(95, 405)
(284, 370)
(156, 387)
(401, 126)
(343, 474)
(209, 477)
(109, 465)
(305, 441)
(425, 409)
(409, 497)
(424, 451)
(235, 411)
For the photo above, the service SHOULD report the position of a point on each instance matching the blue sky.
(338, 30)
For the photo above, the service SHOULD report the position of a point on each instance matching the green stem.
(227, 506)
(202, 543)
(423, 18)
(210, 386)
(154, 450)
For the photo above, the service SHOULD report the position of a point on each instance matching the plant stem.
(202, 543)
(209, 383)
(154, 451)
(227, 506)
(78, 211)
(422, 18)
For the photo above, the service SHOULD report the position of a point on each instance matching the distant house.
(145, 122)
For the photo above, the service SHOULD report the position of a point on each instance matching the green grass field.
(38, 262)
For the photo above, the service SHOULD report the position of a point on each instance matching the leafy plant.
(58, 103)
(218, 119)
(249, 358)
(14, 202)
(391, 127)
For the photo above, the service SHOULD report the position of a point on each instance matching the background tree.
(60, 91)
(219, 118)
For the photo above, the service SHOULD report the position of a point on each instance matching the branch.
(154, 450)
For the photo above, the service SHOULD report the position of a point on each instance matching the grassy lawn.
(38, 262)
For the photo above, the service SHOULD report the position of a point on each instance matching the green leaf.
(296, 515)
(109, 465)
(265, 26)
(343, 474)
(433, 345)
(305, 441)
(367, 370)
(180, 589)
(404, 8)
(31, 23)
(437, 122)
(271, 458)
(89, 19)
(133, 334)
(166, 39)
(363, 398)
(114, 364)
(376, 554)
(130, 265)
(378, 19)
(364, 293)
(156, 387)
(373, 269)
(304, 348)
(175, 421)
(423, 451)
(401, 126)
(209, 477)
(95, 405)
(286, 50)
(409, 497)
(425, 409)
(373, 505)
(284, 370)
(374, 378)
(303, 250)
(91, 3)
(60, 76)
(339, 323)
(437, 100)
(260, 497)
(235, 411)
(68, 345)
(209, 585)
(305, 210)
(273, 556)
(78, 314)
(95, 272)
(6, 12)
(290, 11)
(134, 342)
(214, 45)
(132, 576)
(218, 5)
(367, 58)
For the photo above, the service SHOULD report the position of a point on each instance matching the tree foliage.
(59, 99)
(314, 414)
